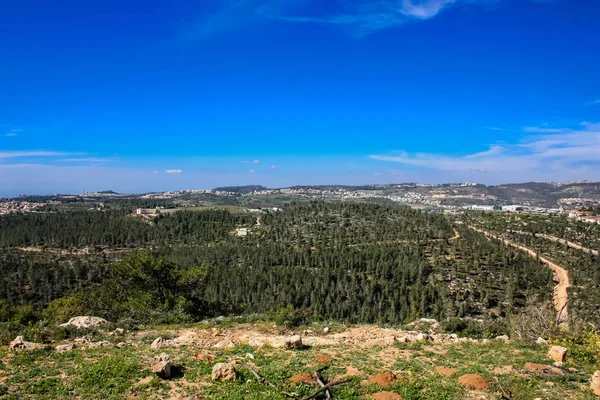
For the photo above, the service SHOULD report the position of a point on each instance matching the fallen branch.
(506, 394)
(264, 381)
(325, 388)
(322, 382)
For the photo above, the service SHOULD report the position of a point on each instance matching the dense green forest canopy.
(352, 262)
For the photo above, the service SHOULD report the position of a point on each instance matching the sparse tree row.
(346, 262)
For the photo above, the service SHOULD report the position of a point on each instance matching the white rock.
(85, 322)
(541, 341)
(293, 342)
(223, 372)
(158, 342)
(326, 329)
(162, 366)
(65, 347)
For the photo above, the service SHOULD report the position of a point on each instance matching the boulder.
(65, 347)
(162, 366)
(541, 341)
(20, 344)
(595, 383)
(557, 353)
(223, 372)
(85, 322)
(158, 342)
(293, 342)
(124, 344)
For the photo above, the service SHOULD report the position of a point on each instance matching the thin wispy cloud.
(553, 150)
(13, 132)
(174, 171)
(593, 103)
(358, 17)
(35, 153)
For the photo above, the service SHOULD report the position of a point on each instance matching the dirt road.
(561, 275)
(563, 241)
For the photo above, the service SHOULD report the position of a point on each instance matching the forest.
(348, 262)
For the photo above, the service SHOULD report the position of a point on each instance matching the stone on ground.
(65, 347)
(543, 369)
(20, 344)
(223, 372)
(595, 383)
(85, 322)
(293, 342)
(557, 353)
(158, 342)
(162, 366)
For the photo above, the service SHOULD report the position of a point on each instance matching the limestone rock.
(162, 366)
(557, 353)
(293, 342)
(595, 383)
(65, 347)
(102, 343)
(225, 344)
(20, 344)
(223, 372)
(158, 342)
(85, 322)
(541, 341)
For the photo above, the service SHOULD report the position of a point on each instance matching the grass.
(112, 373)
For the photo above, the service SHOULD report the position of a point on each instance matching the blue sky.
(143, 95)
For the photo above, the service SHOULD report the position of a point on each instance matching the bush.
(465, 327)
(534, 321)
(583, 345)
(290, 318)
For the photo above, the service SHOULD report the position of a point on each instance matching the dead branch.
(507, 394)
(264, 381)
(325, 388)
(322, 382)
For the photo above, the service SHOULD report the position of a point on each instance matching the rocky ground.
(221, 360)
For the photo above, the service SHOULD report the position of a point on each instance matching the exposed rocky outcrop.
(19, 344)
(85, 322)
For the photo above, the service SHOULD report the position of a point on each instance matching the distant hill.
(240, 189)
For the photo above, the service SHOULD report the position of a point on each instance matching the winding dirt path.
(559, 240)
(561, 276)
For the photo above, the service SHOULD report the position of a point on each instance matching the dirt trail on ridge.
(561, 275)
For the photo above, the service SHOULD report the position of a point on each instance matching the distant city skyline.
(139, 97)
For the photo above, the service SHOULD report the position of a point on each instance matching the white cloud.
(34, 153)
(252, 171)
(559, 151)
(359, 17)
(173, 171)
(273, 166)
(256, 162)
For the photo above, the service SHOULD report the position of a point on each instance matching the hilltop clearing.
(378, 362)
